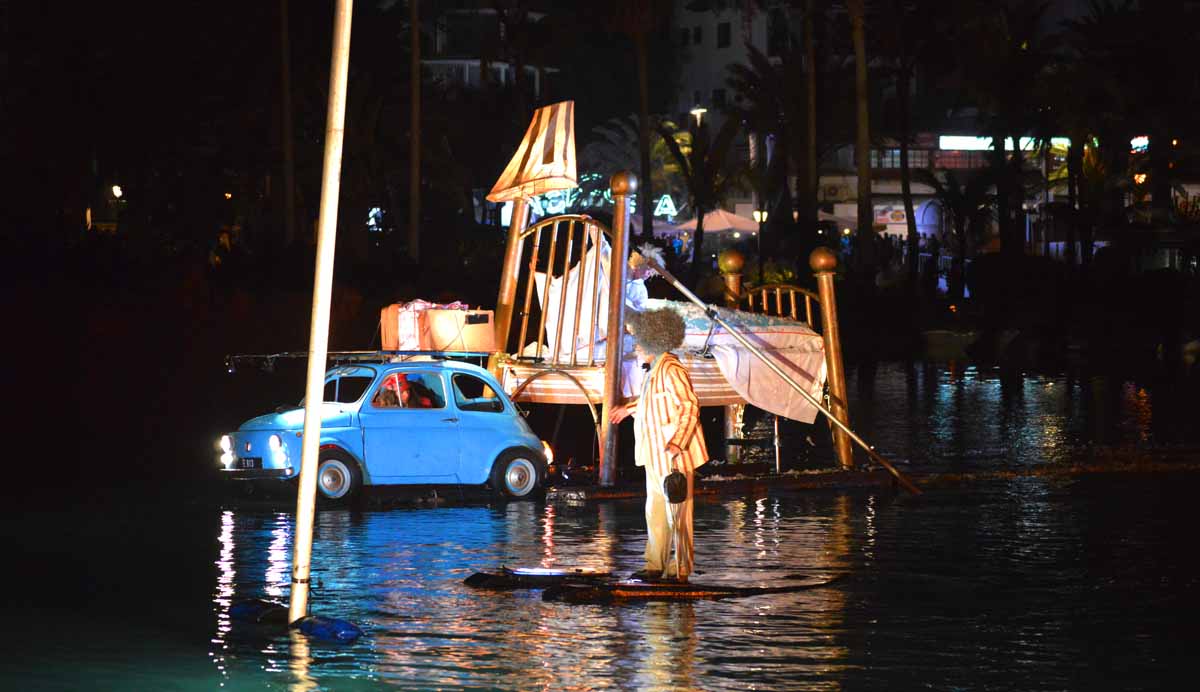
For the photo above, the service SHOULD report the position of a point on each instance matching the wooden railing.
(782, 300)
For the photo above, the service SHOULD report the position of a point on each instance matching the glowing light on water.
(278, 556)
(223, 597)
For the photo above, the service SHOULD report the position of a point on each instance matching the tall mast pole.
(318, 341)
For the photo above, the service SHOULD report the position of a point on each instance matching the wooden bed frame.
(553, 246)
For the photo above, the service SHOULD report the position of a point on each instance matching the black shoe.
(645, 575)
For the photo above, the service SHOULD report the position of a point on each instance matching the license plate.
(250, 463)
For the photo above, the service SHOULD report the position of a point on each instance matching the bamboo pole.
(823, 263)
(318, 343)
(746, 343)
(623, 185)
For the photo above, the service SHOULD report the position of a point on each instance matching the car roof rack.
(266, 361)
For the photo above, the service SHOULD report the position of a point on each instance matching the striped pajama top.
(667, 412)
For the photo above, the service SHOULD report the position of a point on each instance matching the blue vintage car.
(406, 423)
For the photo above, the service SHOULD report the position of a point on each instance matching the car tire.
(517, 473)
(339, 478)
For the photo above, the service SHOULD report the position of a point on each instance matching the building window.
(718, 98)
(890, 158)
(696, 35)
(723, 33)
(684, 36)
(961, 159)
(885, 158)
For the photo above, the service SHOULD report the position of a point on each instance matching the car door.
(485, 425)
(410, 434)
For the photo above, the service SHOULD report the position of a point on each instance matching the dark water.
(1027, 584)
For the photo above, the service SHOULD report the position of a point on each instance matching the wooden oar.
(712, 314)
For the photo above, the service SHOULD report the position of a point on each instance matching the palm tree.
(615, 146)
(968, 202)
(862, 140)
(808, 194)
(708, 174)
(773, 105)
(637, 19)
(1004, 47)
(915, 43)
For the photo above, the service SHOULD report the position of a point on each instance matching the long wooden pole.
(318, 340)
(737, 335)
(624, 185)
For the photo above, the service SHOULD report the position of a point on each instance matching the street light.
(760, 215)
(117, 192)
(698, 112)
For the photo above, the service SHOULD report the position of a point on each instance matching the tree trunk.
(1017, 188)
(808, 196)
(414, 161)
(697, 248)
(645, 196)
(906, 179)
(289, 156)
(1074, 171)
(1160, 177)
(862, 142)
(958, 269)
(1003, 217)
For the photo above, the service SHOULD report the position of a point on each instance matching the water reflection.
(399, 574)
(946, 417)
(964, 583)
(224, 592)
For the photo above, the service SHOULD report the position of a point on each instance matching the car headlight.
(275, 443)
(226, 444)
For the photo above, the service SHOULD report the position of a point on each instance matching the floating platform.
(634, 590)
(536, 577)
(585, 585)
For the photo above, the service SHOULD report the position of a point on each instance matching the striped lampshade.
(545, 160)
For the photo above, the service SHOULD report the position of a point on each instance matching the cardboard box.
(458, 330)
(415, 327)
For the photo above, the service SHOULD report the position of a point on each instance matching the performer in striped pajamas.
(667, 437)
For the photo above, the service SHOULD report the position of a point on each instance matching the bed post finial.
(824, 263)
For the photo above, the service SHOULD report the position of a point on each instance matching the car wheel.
(338, 477)
(517, 473)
